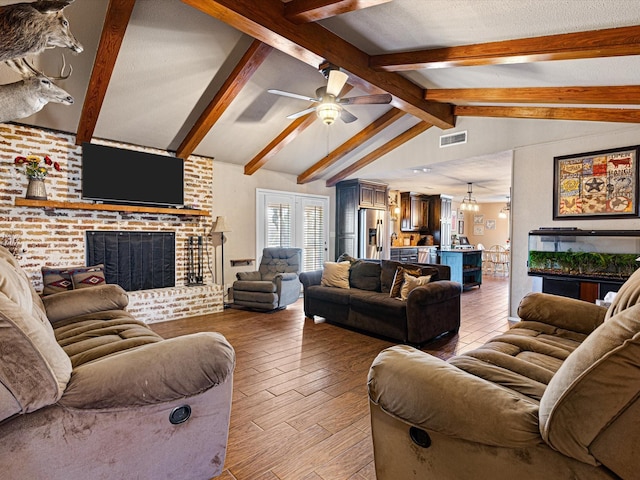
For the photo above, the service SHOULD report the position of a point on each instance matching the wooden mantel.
(23, 202)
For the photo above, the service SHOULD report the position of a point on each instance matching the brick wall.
(55, 237)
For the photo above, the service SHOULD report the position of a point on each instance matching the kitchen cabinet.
(466, 266)
(440, 219)
(351, 196)
(373, 195)
(404, 254)
(414, 212)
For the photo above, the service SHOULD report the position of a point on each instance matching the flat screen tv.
(115, 175)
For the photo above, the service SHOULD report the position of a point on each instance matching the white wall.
(532, 197)
(234, 196)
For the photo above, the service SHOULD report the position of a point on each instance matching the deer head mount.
(30, 95)
(29, 28)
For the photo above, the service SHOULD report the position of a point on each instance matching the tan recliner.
(89, 392)
(557, 396)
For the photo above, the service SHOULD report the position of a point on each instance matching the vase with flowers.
(37, 168)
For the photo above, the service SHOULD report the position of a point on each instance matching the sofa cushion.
(365, 275)
(388, 272)
(329, 294)
(96, 335)
(578, 403)
(265, 286)
(398, 279)
(335, 274)
(34, 370)
(378, 305)
(411, 282)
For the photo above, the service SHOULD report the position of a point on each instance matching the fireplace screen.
(134, 260)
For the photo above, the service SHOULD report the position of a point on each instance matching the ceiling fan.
(330, 105)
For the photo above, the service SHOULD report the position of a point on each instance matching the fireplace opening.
(134, 260)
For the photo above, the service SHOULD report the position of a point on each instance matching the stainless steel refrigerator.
(373, 241)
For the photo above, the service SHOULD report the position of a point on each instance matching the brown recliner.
(556, 396)
(89, 392)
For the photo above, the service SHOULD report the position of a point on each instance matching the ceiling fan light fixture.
(328, 112)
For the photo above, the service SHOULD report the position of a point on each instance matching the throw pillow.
(335, 274)
(345, 257)
(56, 279)
(411, 282)
(398, 279)
(88, 276)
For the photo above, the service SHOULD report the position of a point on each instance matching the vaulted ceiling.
(192, 76)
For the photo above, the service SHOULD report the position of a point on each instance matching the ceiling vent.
(453, 139)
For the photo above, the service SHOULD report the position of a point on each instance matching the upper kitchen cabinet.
(373, 195)
(414, 211)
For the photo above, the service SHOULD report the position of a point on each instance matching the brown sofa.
(429, 310)
(88, 392)
(555, 397)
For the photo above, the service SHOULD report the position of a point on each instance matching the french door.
(286, 219)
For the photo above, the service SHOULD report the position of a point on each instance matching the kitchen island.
(465, 264)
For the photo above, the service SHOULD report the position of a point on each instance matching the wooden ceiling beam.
(295, 128)
(354, 142)
(611, 42)
(304, 11)
(379, 152)
(115, 25)
(623, 115)
(313, 44)
(611, 95)
(246, 67)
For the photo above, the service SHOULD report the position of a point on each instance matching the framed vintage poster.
(601, 184)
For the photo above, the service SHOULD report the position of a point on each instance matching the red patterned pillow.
(88, 276)
(56, 279)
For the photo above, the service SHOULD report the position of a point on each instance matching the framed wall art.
(478, 219)
(601, 184)
(478, 229)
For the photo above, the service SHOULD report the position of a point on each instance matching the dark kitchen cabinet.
(352, 195)
(414, 212)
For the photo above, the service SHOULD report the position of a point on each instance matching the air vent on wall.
(453, 139)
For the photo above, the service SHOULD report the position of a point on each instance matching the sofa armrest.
(562, 312)
(154, 373)
(432, 394)
(287, 276)
(433, 292)
(249, 276)
(311, 278)
(83, 301)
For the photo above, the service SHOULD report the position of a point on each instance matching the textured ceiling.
(174, 59)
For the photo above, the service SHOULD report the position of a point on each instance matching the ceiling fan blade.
(293, 95)
(336, 81)
(366, 99)
(347, 117)
(302, 113)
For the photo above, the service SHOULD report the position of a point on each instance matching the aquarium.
(606, 255)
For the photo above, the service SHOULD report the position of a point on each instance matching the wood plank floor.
(300, 408)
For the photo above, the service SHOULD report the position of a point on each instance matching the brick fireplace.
(56, 237)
